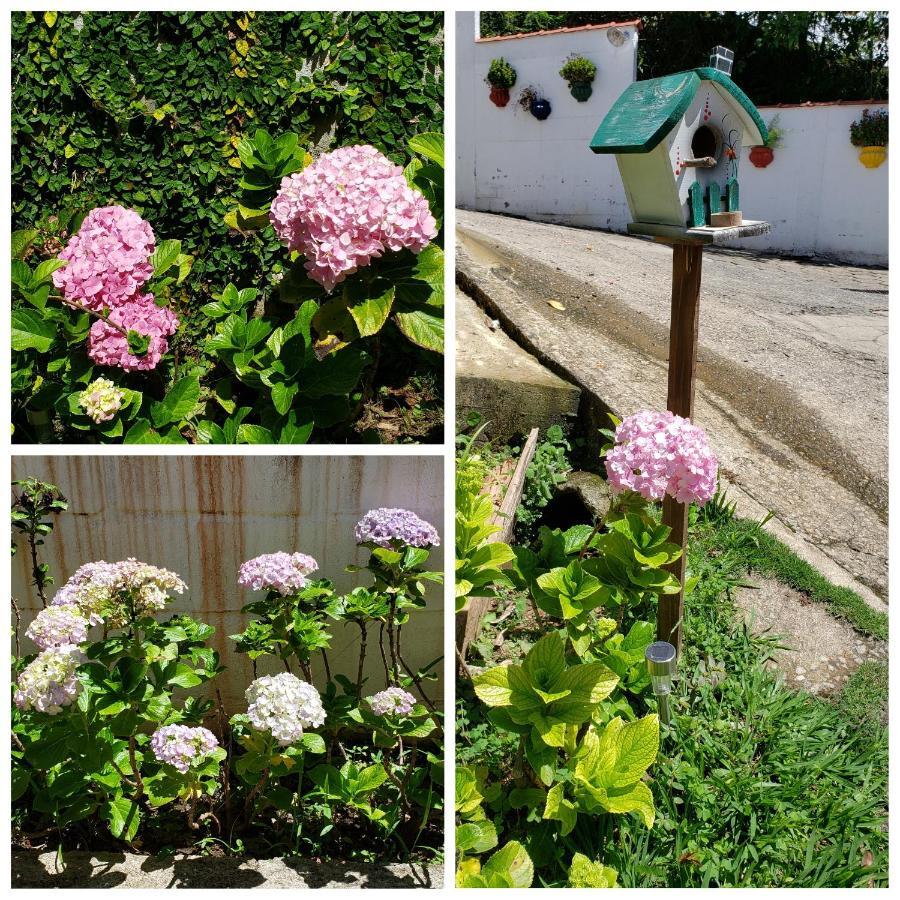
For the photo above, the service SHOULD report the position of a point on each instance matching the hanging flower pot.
(499, 95)
(870, 134)
(540, 109)
(531, 101)
(581, 91)
(761, 156)
(501, 77)
(579, 72)
(872, 157)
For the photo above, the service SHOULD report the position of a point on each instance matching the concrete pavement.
(792, 374)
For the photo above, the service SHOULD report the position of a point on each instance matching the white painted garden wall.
(819, 198)
(817, 195)
(202, 516)
(509, 162)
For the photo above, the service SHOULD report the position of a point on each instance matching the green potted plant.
(870, 134)
(763, 154)
(531, 101)
(501, 77)
(579, 72)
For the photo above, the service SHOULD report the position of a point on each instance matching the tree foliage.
(780, 57)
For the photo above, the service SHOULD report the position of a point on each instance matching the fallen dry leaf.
(556, 305)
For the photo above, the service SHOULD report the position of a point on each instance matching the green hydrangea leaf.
(560, 809)
(584, 873)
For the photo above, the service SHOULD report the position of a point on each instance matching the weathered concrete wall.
(509, 162)
(819, 198)
(202, 516)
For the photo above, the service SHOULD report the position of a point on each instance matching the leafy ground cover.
(752, 785)
(191, 121)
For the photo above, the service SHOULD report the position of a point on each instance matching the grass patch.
(865, 696)
(766, 555)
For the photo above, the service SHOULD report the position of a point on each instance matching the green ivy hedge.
(145, 109)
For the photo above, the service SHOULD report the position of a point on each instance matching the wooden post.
(687, 262)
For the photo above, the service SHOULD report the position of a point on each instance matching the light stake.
(661, 663)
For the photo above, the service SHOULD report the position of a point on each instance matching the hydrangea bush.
(100, 733)
(106, 674)
(107, 346)
(578, 703)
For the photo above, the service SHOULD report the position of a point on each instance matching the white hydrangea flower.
(56, 626)
(100, 590)
(284, 705)
(101, 400)
(49, 682)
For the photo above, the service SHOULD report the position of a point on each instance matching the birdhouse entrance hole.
(705, 142)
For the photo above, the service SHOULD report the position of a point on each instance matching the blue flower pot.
(540, 109)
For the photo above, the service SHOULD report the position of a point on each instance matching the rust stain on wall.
(203, 516)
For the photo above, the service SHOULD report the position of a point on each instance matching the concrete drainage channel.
(128, 870)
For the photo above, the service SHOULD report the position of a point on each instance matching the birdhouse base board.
(702, 235)
(725, 219)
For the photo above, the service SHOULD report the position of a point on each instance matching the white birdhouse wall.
(710, 127)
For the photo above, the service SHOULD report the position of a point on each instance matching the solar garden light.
(661, 662)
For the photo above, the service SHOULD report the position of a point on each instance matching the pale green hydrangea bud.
(101, 400)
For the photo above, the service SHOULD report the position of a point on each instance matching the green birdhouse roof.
(648, 110)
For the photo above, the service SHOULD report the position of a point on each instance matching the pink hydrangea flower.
(180, 745)
(282, 572)
(659, 453)
(108, 260)
(392, 701)
(346, 209)
(109, 347)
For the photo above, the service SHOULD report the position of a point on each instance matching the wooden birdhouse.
(678, 142)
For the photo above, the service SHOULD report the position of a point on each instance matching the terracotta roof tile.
(527, 34)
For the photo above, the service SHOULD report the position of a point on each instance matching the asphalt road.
(792, 363)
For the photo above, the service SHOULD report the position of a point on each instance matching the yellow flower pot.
(872, 157)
